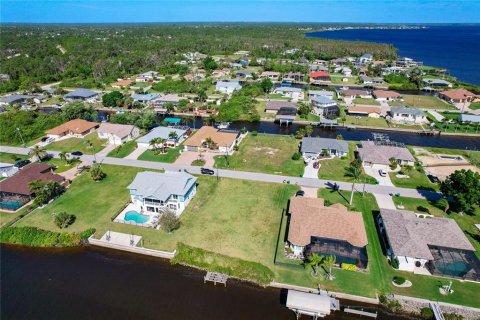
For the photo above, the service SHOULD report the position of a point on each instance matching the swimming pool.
(136, 217)
(10, 204)
(456, 269)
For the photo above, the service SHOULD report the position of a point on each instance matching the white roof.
(161, 132)
(309, 302)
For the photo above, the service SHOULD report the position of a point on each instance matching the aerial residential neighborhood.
(350, 175)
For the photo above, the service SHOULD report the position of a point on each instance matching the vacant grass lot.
(466, 222)
(366, 101)
(260, 105)
(11, 157)
(334, 169)
(78, 144)
(416, 179)
(366, 121)
(455, 126)
(378, 277)
(310, 117)
(472, 156)
(423, 102)
(123, 150)
(265, 153)
(169, 157)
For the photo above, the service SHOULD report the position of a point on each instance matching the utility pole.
(21, 137)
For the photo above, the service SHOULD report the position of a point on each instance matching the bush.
(395, 263)
(348, 266)
(35, 237)
(395, 306)
(423, 209)
(296, 156)
(63, 219)
(383, 299)
(393, 163)
(327, 203)
(235, 147)
(198, 163)
(215, 262)
(399, 280)
(452, 316)
(426, 313)
(169, 220)
(254, 133)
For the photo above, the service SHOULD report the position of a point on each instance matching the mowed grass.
(466, 222)
(93, 203)
(264, 153)
(79, 144)
(169, 157)
(334, 169)
(422, 102)
(62, 166)
(11, 157)
(377, 279)
(123, 150)
(366, 121)
(416, 179)
(366, 101)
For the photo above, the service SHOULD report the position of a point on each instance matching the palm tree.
(354, 172)
(63, 156)
(210, 143)
(38, 152)
(173, 135)
(36, 185)
(328, 262)
(314, 260)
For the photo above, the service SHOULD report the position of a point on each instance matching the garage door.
(192, 148)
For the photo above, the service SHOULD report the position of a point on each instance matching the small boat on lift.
(223, 125)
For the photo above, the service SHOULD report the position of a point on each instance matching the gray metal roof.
(15, 98)
(229, 84)
(317, 145)
(160, 132)
(469, 118)
(323, 100)
(405, 110)
(81, 93)
(161, 185)
(288, 89)
(410, 236)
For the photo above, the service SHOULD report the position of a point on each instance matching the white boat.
(223, 125)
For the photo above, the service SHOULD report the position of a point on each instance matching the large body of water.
(93, 283)
(454, 47)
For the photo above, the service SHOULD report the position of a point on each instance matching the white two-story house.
(151, 192)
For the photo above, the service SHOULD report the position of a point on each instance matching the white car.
(382, 172)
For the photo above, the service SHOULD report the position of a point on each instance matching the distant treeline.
(92, 55)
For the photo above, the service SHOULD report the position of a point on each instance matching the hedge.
(399, 280)
(215, 262)
(35, 237)
(348, 266)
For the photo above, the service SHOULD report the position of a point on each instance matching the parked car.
(433, 179)
(207, 171)
(382, 172)
(44, 139)
(316, 165)
(77, 153)
(21, 163)
(300, 193)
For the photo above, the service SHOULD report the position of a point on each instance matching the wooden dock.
(360, 312)
(215, 277)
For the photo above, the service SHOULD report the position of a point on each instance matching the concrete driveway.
(310, 171)
(373, 172)
(384, 201)
(187, 157)
(136, 153)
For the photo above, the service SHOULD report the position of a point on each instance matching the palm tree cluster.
(316, 261)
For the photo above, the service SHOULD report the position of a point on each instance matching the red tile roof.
(319, 74)
(457, 94)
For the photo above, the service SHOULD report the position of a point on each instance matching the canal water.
(93, 283)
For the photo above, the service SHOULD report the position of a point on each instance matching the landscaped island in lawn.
(266, 153)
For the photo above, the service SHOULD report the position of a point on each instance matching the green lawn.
(378, 277)
(7, 217)
(454, 127)
(78, 144)
(169, 157)
(416, 179)
(334, 169)
(11, 157)
(310, 117)
(474, 106)
(62, 166)
(265, 153)
(465, 221)
(123, 150)
(423, 102)
(366, 121)
(261, 111)
(366, 101)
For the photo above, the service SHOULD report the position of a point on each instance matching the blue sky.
(373, 11)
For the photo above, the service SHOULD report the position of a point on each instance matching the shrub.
(399, 280)
(296, 156)
(198, 163)
(35, 237)
(254, 133)
(235, 147)
(383, 299)
(348, 266)
(452, 316)
(423, 209)
(96, 173)
(327, 203)
(63, 219)
(169, 220)
(426, 313)
(395, 263)
(395, 306)
(84, 235)
(393, 163)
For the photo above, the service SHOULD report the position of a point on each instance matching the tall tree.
(38, 152)
(462, 189)
(355, 173)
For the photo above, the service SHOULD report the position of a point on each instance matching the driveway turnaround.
(187, 157)
(254, 176)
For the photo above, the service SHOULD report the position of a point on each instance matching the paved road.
(245, 175)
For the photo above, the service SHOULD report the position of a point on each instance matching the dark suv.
(207, 171)
(21, 163)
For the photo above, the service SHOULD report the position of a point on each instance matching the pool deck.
(131, 207)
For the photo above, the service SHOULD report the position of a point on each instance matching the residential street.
(245, 175)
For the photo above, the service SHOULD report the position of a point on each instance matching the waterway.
(93, 283)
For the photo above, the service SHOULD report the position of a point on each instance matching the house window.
(174, 197)
(173, 207)
(150, 209)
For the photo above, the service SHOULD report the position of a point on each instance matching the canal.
(93, 283)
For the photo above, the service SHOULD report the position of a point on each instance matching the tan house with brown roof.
(223, 141)
(78, 128)
(327, 230)
(117, 133)
(457, 95)
(386, 95)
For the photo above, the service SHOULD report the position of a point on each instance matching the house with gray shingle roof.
(407, 115)
(152, 192)
(171, 140)
(81, 95)
(312, 148)
(372, 153)
(436, 245)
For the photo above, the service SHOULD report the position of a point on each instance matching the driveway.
(106, 150)
(136, 153)
(310, 192)
(384, 201)
(373, 172)
(187, 157)
(310, 171)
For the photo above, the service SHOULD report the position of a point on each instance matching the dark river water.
(92, 283)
